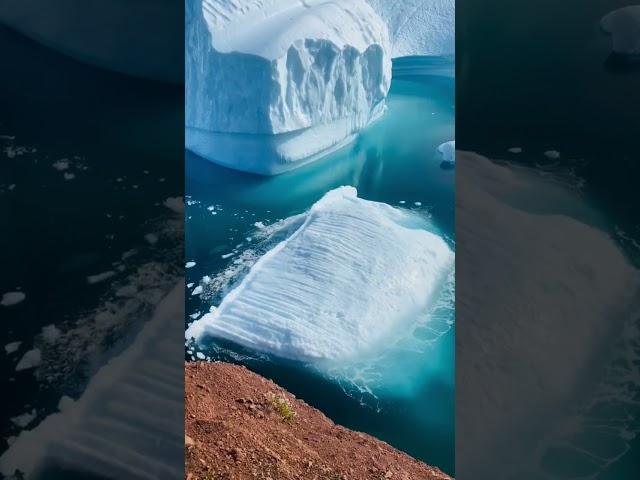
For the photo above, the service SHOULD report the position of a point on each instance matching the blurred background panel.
(91, 210)
(548, 232)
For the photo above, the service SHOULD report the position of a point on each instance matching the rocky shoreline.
(239, 425)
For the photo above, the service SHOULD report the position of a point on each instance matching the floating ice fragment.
(12, 298)
(515, 150)
(69, 176)
(259, 225)
(197, 290)
(51, 334)
(12, 347)
(175, 203)
(100, 277)
(61, 165)
(25, 419)
(31, 359)
(190, 265)
(417, 204)
(552, 154)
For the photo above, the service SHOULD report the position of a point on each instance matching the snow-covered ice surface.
(274, 84)
(109, 431)
(106, 33)
(623, 25)
(419, 27)
(339, 287)
(553, 423)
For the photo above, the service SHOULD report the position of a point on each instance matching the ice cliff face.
(624, 27)
(306, 75)
(419, 27)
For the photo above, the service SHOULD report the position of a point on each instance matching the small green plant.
(283, 407)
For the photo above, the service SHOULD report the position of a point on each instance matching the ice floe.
(338, 286)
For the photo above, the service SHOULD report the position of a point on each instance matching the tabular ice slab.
(354, 273)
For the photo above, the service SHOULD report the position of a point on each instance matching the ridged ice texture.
(270, 67)
(354, 273)
(419, 27)
(624, 27)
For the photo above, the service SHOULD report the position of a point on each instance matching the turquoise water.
(405, 395)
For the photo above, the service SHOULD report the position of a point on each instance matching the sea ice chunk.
(12, 298)
(273, 84)
(448, 151)
(353, 273)
(623, 25)
(419, 27)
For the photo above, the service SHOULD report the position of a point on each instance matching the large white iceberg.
(354, 273)
(419, 27)
(623, 25)
(272, 84)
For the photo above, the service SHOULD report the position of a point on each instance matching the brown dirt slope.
(242, 426)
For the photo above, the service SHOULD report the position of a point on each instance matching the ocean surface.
(405, 396)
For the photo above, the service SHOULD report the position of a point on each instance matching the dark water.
(394, 161)
(124, 159)
(538, 75)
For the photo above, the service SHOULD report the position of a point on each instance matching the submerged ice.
(351, 275)
(273, 83)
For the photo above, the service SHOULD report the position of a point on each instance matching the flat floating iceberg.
(623, 25)
(273, 84)
(354, 273)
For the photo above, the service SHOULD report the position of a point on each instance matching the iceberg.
(353, 274)
(419, 27)
(623, 25)
(274, 84)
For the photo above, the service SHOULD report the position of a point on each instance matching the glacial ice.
(623, 25)
(419, 27)
(273, 84)
(351, 275)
